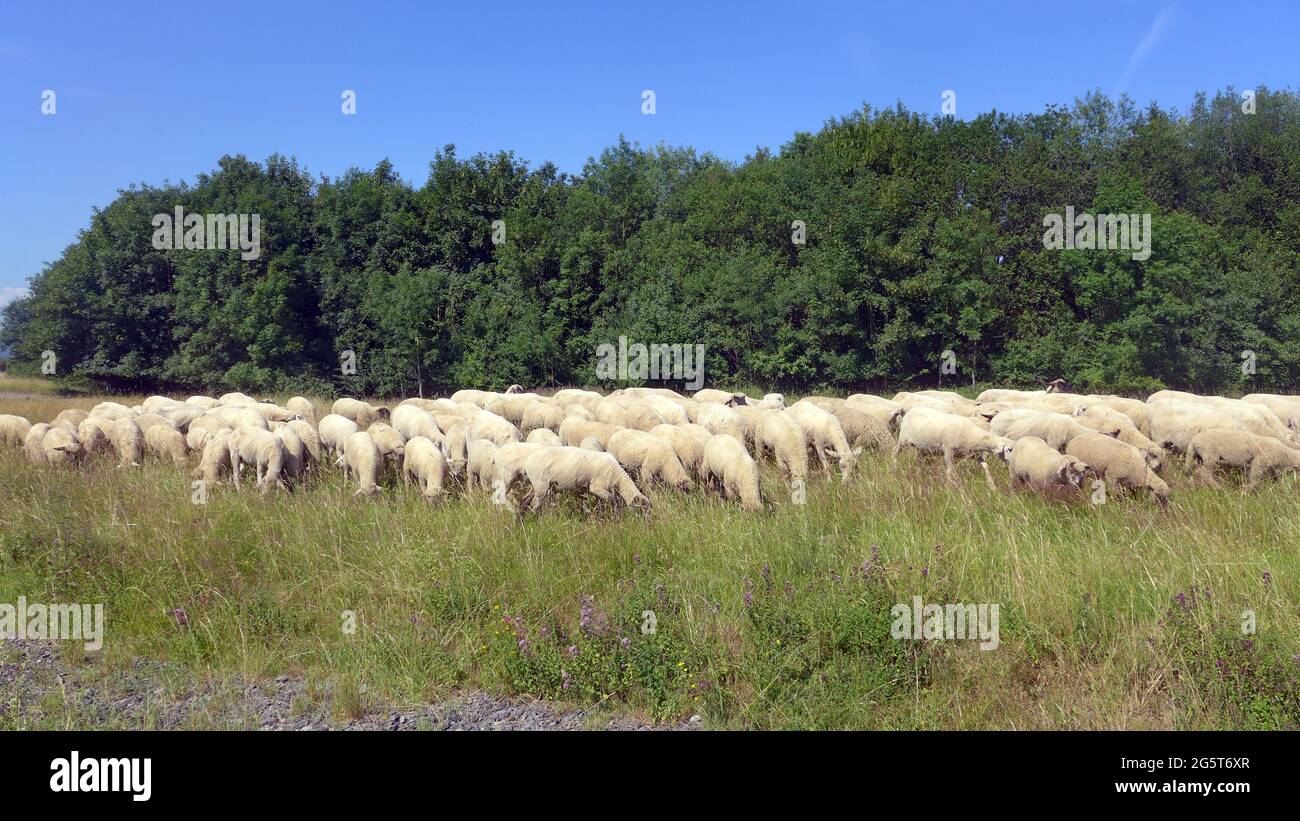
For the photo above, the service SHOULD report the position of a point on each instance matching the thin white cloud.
(1145, 46)
(9, 294)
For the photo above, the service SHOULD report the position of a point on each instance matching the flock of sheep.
(604, 445)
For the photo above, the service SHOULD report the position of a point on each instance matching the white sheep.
(687, 440)
(202, 430)
(1119, 463)
(455, 444)
(824, 434)
(541, 416)
(487, 425)
(1045, 469)
(507, 463)
(93, 434)
(236, 398)
(303, 407)
(426, 463)
(363, 413)
(718, 418)
(32, 443)
(1104, 419)
(128, 442)
(215, 458)
(862, 429)
(590, 443)
(112, 410)
(167, 442)
(883, 410)
(361, 458)
(934, 431)
(74, 416)
(392, 444)
(205, 402)
(61, 447)
(259, 448)
(242, 416)
(543, 436)
(13, 429)
(1259, 457)
(1056, 429)
(573, 431)
(479, 469)
(334, 431)
(295, 451)
(780, 434)
(728, 468)
(718, 397)
(310, 439)
(649, 458)
(567, 468)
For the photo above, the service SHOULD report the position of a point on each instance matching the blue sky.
(148, 92)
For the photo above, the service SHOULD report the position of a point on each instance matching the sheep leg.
(948, 466)
(988, 476)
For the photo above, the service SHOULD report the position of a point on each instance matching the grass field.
(1112, 616)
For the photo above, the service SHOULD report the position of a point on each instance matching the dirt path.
(39, 689)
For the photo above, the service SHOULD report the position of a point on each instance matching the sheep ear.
(1114, 434)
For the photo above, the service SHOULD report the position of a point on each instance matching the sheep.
(883, 410)
(825, 436)
(727, 467)
(272, 412)
(93, 434)
(259, 448)
(304, 407)
(112, 410)
(590, 443)
(609, 412)
(641, 416)
(1286, 408)
(569, 397)
(361, 458)
(13, 429)
(861, 428)
(780, 434)
(719, 397)
(363, 413)
(1136, 410)
(507, 463)
(478, 462)
(73, 415)
(951, 397)
(215, 458)
(1258, 456)
(236, 398)
(295, 451)
(543, 436)
(1104, 419)
(205, 402)
(167, 441)
(310, 438)
(334, 431)
(202, 430)
(1059, 386)
(541, 416)
(1174, 423)
(426, 463)
(648, 458)
(148, 420)
(474, 396)
(770, 401)
(61, 447)
(487, 425)
(1044, 469)
(573, 431)
(32, 443)
(1056, 429)
(182, 416)
(242, 416)
(933, 431)
(1119, 463)
(392, 444)
(1254, 418)
(579, 412)
(672, 411)
(128, 442)
(717, 418)
(568, 468)
(1006, 395)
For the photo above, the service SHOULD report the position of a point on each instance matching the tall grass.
(774, 620)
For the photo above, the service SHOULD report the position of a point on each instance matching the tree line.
(853, 257)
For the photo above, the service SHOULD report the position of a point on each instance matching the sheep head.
(1072, 473)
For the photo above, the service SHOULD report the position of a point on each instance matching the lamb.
(728, 467)
(568, 468)
(259, 448)
(543, 436)
(425, 463)
(649, 458)
(215, 458)
(1120, 464)
(862, 429)
(1044, 469)
(478, 464)
(780, 433)
(128, 441)
(295, 452)
(32, 443)
(303, 407)
(541, 416)
(824, 434)
(361, 458)
(933, 431)
(486, 425)
(61, 447)
(1056, 429)
(13, 429)
(334, 431)
(363, 413)
(1257, 456)
(310, 438)
(573, 431)
(167, 441)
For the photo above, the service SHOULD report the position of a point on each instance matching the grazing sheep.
(1044, 469)
(148, 420)
(272, 412)
(590, 443)
(426, 464)
(610, 412)
(363, 413)
(1119, 463)
(1135, 409)
(411, 421)
(1174, 423)
(569, 397)
(824, 434)
(487, 425)
(1006, 395)
(642, 417)
(112, 410)
(93, 433)
(215, 459)
(478, 463)
(541, 416)
(75, 416)
(672, 411)
(1259, 457)
(361, 458)
(649, 458)
(392, 444)
(687, 442)
(473, 396)
(259, 448)
(13, 429)
(933, 431)
(207, 403)
(1285, 408)
(862, 429)
(237, 398)
(167, 442)
(61, 447)
(1056, 429)
(719, 397)
(568, 468)
(507, 463)
(728, 468)
(543, 436)
(241, 416)
(455, 445)
(573, 431)
(182, 416)
(885, 411)
(128, 442)
(202, 430)
(579, 412)
(334, 431)
(295, 451)
(310, 439)
(1105, 419)
(32, 443)
(717, 418)
(303, 407)
(780, 433)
